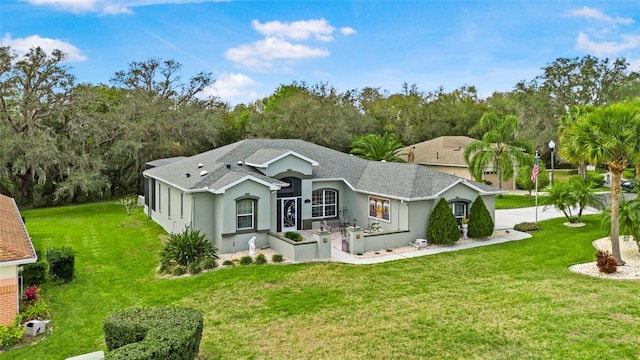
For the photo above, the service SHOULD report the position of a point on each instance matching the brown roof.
(444, 151)
(15, 244)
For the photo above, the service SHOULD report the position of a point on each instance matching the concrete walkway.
(505, 220)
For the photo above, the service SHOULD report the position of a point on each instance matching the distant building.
(446, 154)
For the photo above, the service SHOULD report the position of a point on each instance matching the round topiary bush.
(480, 221)
(260, 259)
(166, 332)
(443, 226)
(246, 260)
(276, 258)
(526, 227)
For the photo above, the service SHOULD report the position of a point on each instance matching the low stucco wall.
(386, 240)
(296, 251)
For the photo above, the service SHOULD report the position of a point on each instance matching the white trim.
(267, 163)
(223, 189)
(467, 183)
(19, 262)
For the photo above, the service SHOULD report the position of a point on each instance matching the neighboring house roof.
(442, 151)
(15, 246)
(226, 165)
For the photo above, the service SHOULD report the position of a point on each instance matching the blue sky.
(252, 47)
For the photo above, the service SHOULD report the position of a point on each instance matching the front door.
(289, 214)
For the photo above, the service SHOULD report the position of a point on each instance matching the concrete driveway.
(508, 218)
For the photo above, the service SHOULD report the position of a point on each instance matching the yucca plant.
(187, 247)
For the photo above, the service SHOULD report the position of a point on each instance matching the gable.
(276, 161)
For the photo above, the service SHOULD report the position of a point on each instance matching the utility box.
(34, 327)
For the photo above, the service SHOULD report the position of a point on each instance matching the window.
(245, 214)
(169, 202)
(379, 208)
(181, 205)
(324, 203)
(160, 197)
(459, 209)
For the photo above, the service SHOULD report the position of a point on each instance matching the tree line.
(62, 141)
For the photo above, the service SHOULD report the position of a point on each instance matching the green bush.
(186, 248)
(527, 227)
(61, 263)
(10, 335)
(293, 235)
(443, 226)
(276, 258)
(606, 262)
(480, 221)
(179, 270)
(209, 263)
(166, 332)
(228, 263)
(597, 179)
(246, 260)
(36, 273)
(38, 310)
(195, 268)
(261, 259)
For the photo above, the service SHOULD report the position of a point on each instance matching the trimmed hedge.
(166, 332)
(35, 273)
(443, 226)
(61, 263)
(480, 221)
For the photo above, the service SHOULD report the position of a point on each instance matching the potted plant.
(464, 225)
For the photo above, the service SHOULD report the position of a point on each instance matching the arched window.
(245, 214)
(324, 203)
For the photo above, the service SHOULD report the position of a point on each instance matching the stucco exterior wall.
(288, 163)
(459, 171)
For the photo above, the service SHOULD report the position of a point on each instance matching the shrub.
(261, 259)
(38, 310)
(293, 235)
(179, 270)
(195, 268)
(129, 202)
(61, 263)
(276, 258)
(606, 262)
(166, 332)
(209, 263)
(527, 227)
(186, 248)
(246, 260)
(31, 294)
(443, 226)
(228, 263)
(36, 273)
(595, 179)
(10, 335)
(480, 221)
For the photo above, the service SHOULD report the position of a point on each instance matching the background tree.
(498, 147)
(34, 90)
(523, 179)
(377, 147)
(609, 135)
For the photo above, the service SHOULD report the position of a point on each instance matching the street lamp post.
(552, 146)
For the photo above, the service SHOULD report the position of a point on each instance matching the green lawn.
(510, 301)
(513, 201)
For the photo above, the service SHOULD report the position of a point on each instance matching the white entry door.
(289, 216)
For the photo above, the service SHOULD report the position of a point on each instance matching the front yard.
(514, 300)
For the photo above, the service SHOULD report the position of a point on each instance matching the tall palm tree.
(499, 147)
(568, 150)
(609, 135)
(377, 147)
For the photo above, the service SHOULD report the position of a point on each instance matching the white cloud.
(261, 54)
(106, 7)
(346, 31)
(230, 86)
(320, 29)
(595, 14)
(607, 47)
(22, 45)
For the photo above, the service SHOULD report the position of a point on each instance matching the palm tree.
(629, 219)
(499, 147)
(568, 150)
(609, 135)
(377, 147)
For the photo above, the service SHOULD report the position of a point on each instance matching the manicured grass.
(511, 301)
(509, 201)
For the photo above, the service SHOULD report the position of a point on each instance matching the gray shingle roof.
(224, 165)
